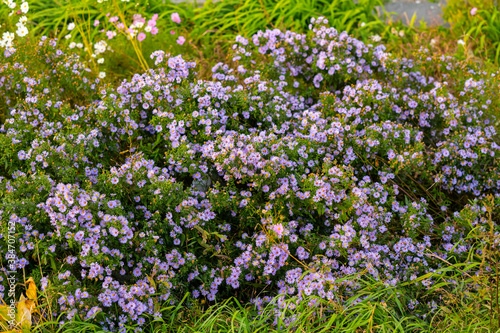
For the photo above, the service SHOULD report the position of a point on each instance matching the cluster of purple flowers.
(329, 158)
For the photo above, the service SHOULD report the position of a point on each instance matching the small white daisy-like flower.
(24, 7)
(22, 31)
(71, 26)
(72, 45)
(11, 4)
(68, 36)
(8, 36)
(102, 75)
(461, 42)
(100, 61)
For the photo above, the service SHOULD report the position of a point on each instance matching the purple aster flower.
(113, 231)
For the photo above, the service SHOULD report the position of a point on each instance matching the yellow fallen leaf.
(30, 281)
(31, 291)
(24, 308)
(5, 320)
(4, 313)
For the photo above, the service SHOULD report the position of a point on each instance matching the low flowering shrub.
(307, 158)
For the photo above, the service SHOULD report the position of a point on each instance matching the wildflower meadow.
(298, 179)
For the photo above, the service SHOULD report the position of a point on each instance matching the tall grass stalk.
(133, 41)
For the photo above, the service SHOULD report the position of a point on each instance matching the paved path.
(430, 13)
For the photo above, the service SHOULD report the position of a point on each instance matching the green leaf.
(53, 264)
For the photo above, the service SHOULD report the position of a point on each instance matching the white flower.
(68, 36)
(102, 75)
(11, 4)
(100, 47)
(79, 45)
(8, 36)
(93, 55)
(71, 26)
(363, 24)
(401, 33)
(433, 42)
(24, 7)
(376, 38)
(72, 45)
(147, 28)
(461, 42)
(22, 31)
(7, 42)
(100, 61)
(23, 19)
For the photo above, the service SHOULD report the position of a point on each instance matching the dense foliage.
(307, 158)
